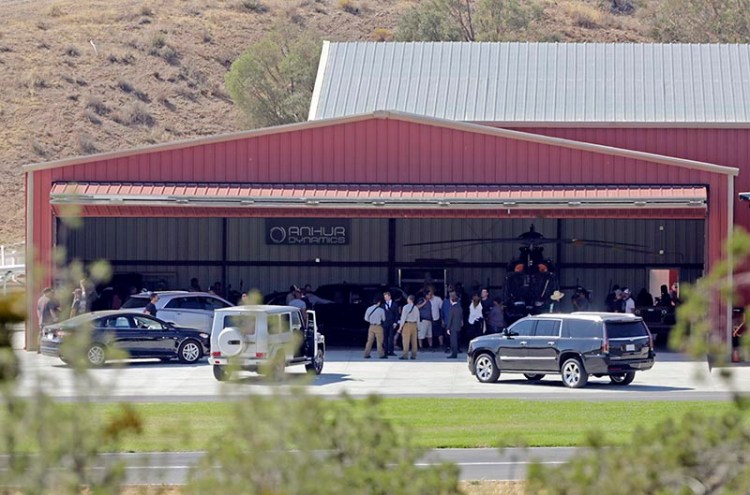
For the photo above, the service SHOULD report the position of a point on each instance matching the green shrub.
(305, 445)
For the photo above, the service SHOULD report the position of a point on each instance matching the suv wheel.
(533, 378)
(316, 366)
(573, 374)
(221, 373)
(486, 369)
(622, 378)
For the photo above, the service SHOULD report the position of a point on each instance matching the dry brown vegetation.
(87, 77)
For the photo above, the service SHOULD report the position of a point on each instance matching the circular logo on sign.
(277, 234)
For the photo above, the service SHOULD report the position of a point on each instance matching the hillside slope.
(87, 77)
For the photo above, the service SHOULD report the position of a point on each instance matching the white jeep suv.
(184, 309)
(265, 339)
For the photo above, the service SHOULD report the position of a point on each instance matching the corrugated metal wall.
(682, 241)
(146, 239)
(192, 248)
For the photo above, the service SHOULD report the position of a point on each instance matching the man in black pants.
(390, 325)
(453, 324)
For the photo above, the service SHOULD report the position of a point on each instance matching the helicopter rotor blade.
(600, 243)
(456, 246)
(471, 240)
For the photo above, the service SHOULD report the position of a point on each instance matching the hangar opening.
(243, 254)
(591, 237)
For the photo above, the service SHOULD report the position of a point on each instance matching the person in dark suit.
(454, 323)
(390, 325)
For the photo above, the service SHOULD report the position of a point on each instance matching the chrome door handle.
(551, 343)
(523, 342)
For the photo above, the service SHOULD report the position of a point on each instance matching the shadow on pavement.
(136, 364)
(594, 383)
(292, 379)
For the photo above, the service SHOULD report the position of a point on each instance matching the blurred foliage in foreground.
(309, 445)
(695, 454)
(284, 444)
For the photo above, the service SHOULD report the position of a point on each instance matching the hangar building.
(421, 142)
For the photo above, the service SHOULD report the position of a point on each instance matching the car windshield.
(626, 329)
(135, 302)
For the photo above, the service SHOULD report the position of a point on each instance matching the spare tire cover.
(231, 342)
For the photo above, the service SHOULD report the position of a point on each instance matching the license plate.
(629, 347)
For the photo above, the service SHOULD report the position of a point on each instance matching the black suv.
(574, 345)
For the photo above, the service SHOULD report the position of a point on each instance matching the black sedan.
(136, 334)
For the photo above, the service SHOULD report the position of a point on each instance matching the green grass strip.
(436, 423)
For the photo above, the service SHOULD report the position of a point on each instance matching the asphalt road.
(673, 378)
(474, 464)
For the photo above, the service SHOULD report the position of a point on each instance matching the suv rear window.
(582, 329)
(135, 302)
(246, 323)
(626, 329)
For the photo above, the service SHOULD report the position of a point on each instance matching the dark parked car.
(573, 345)
(139, 335)
(342, 319)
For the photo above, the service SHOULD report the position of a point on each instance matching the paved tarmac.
(474, 464)
(673, 377)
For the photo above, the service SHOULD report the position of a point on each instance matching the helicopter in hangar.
(531, 278)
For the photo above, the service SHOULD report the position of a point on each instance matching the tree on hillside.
(701, 21)
(467, 20)
(272, 82)
(505, 20)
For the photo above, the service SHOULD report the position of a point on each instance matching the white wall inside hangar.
(174, 250)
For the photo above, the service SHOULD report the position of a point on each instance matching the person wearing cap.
(555, 297)
(628, 303)
(150, 308)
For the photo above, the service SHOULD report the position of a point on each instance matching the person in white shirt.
(476, 318)
(629, 303)
(408, 328)
(375, 316)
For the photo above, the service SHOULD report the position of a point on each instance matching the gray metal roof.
(689, 84)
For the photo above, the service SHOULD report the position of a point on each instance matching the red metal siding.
(730, 147)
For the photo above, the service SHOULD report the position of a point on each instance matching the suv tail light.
(650, 339)
(605, 343)
(261, 355)
(216, 354)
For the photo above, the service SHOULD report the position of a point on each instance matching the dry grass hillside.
(94, 76)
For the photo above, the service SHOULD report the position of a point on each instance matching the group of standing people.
(620, 300)
(49, 308)
(427, 319)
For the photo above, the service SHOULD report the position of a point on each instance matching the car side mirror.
(170, 325)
